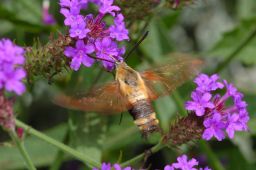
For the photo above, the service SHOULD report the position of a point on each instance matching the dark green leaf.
(42, 153)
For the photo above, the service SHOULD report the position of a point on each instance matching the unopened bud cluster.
(6, 113)
(46, 60)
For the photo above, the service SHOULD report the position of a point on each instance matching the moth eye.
(126, 82)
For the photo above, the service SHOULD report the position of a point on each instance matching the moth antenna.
(137, 44)
(103, 59)
(113, 58)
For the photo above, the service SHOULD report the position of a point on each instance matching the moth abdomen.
(144, 117)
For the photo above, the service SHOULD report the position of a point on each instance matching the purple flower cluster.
(11, 71)
(47, 18)
(94, 39)
(218, 117)
(184, 164)
(108, 166)
(176, 3)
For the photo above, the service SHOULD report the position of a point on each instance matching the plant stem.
(236, 51)
(22, 150)
(85, 158)
(213, 160)
(60, 154)
(139, 157)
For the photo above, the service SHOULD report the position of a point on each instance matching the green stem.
(60, 154)
(139, 157)
(236, 51)
(85, 158)
(57, 160)
(22, 150)
(213, 160)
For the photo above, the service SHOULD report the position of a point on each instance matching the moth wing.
(106, 100)
(163, 79)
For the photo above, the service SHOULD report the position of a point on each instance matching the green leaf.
(42, 153)
(232, 39)
(87, 134)
(250, 100)
(157, 43)
(170, 18)
(151, 45)
(233, 159)
(246, 9)
(252, 125)
(245, 145)
(165, 109)
(10, 16)
(121, 134)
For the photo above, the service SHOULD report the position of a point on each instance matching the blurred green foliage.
(211, 28)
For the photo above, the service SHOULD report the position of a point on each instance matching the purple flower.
(243, 119)
(218, 117)
(48, 19)
(108, 49)
(67, 3)
(118, 30)
(104, 166)
(200, 103)
(13, 80)
(79, 31)
(231, 90)
(80, 55)
(94, 31)
(118, 167)
(206, 168)
(11, 71)
(214, 126)
(233, 124)
(10, 53)
(73, 5)
(238, 101)
(106, 6)
(71, 18)
(97, 27)
(207, 84)
(107, 166)
(176, 3)
(168, 167)
(185, 164)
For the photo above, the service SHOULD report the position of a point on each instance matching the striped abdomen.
(144, 117)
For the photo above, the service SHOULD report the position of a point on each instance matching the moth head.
(126, 75)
